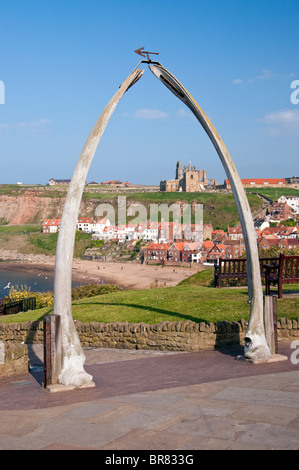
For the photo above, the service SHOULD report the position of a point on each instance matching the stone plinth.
(14, 359)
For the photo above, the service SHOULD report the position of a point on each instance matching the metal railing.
(17, 306)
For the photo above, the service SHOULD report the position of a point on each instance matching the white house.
(261, 224)
(51, 225)
(292, 201)
(87, 224)
(101, 224)
(151, 232)
(196, 257)
(287, 232)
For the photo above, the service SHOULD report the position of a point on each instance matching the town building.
(51, 225)
(259, 183)
(151, 232)
(218, 236)
(191, 252)
(281, 243)
(218, 251)
(294, 181)
(100, 225)
(87, 224)
(193, 232)
(292, 201)
(235, 233)
(287, 232)
(270, 232)
(206, 247)
(281, 211)
(262, 223)
(156, 251)
(207, 231)
(234, 248)
(116, 183)
(175, 251)
(54, 182)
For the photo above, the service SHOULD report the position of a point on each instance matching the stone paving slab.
(256, 396)
(188, 401)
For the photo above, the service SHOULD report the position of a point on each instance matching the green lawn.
(274, 193)
(180, 303)
(32, 240)
(20, 229)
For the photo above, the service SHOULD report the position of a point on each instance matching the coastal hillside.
(20, 205)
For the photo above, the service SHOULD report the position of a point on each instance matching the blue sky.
(61, 62)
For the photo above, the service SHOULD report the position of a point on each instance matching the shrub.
(45, 299)
(91, 290)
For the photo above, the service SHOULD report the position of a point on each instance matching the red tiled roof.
(271, 230)
(51, 222)
(87, 220)
(157, 246)
(235, 230)
(260, 181)
(179, 246)
(208, 244)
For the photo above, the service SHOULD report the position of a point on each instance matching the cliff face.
(30, 208)
(23, 209)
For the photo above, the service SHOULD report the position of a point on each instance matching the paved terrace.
(156, 401)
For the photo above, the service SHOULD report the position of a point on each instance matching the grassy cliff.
(36, 203)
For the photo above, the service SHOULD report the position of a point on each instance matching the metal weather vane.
(143, 53)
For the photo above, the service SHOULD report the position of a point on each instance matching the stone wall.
(14, 360)
(171, 336)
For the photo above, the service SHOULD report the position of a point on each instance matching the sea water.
(39, 282)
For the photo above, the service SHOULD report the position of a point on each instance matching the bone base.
(274, 358)
(66, 388)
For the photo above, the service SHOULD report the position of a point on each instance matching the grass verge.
(179, 303)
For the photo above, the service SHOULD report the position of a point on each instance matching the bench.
(286, 271)
(236, 268)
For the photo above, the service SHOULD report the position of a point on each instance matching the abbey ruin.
(188, 179)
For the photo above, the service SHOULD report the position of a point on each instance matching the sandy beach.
(125, 275)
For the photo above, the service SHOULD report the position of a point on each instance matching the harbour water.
(39, 282)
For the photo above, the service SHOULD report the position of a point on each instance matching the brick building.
(218, 251)
(156, 251)
(175, 251)
(281, 211)
(235, 233)
(190, 248)
(234, 248)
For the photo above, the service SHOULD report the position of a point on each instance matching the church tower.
(178, 172)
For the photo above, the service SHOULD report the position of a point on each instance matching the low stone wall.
(14, 359)
(165, 336)
(171, 336)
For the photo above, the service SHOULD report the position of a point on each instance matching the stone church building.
(187, 179)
